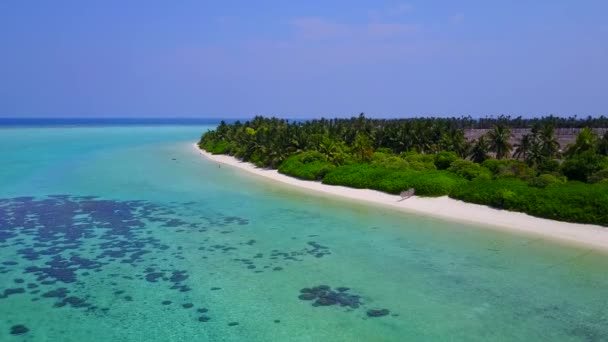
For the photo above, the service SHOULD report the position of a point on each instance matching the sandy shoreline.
(444, 207)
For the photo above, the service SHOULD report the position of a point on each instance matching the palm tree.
(499, 141)
(479, 151)
(269, 141)
(454, 140)
(523, 148)
(402, 139)
(334, 151)
(585, 141)
(362, 147)
(549, 145)
(535, 153)
(297, 143)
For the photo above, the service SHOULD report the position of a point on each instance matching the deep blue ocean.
(76, 122)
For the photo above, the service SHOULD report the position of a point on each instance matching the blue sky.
(303, 59)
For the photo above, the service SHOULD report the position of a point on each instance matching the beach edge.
(584, 235)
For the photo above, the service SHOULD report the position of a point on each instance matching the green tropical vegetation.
(532, 174)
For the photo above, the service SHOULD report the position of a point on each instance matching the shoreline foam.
(587, 235)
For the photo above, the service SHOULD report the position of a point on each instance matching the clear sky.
(303, 58)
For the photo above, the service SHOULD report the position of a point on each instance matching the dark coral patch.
(57, 293)
(63, 238)
(323, 295)
(9, 292)
(19, 329)
(307, 296)
(377, 312)
(73, 302)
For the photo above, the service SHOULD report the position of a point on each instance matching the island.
(548, 167)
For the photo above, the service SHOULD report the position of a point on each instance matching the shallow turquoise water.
(167, 228)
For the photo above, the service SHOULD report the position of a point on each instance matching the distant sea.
(66, 122)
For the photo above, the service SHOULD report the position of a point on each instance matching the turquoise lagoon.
(127, 234)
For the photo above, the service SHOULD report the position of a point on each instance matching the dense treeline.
(557, 122)
(536, 175)
(465, 122)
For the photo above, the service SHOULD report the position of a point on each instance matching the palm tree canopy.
(499, 138)
(479, 151)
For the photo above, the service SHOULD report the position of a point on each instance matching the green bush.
(575, 202)
(311, 156)
(494, 193)
(215, 147)
(569, 201)
(581, 166)
(548, 166)
(379, 157)
(599, 176)
(419, 162)
(384, 150)
(389, 161)
(469, 170)
(494, 164)
(361, 176)
(505, 198)
(307, 165)
(544, 180)
(515, 168)
(220, 147)
(256, 158)
(444, 159)
(429, 183)
(426, 183)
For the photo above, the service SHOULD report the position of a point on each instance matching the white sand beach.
(444, 207)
